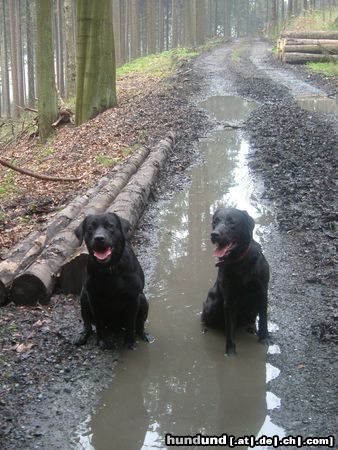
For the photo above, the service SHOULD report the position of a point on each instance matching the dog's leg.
(131, 316)
(141, 318)
(263, 333)
(87, 318)
(230, 326)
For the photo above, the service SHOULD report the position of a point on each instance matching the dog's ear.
(125, 226)
(80, 231)
(250, 221)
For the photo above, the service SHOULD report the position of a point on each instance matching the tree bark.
(96, 73)
(47, 98)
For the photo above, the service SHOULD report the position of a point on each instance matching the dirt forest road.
(48, 394)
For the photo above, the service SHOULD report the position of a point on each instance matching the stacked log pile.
(302, 47)
(32, 269)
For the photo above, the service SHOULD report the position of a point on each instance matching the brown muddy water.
(182, 383)
(318, 103)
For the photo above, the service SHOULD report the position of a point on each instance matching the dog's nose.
(214, 235)
(99, 238)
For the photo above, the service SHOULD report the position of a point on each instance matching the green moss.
(329, 69)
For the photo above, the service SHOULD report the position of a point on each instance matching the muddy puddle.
(182, 384)
(318, 103)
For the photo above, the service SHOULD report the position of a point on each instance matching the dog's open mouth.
(103, 255)
(224, 251)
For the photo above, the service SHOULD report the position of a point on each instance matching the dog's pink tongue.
(103, 254)
(220, 252)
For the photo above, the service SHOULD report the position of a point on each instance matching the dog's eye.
(109, 225)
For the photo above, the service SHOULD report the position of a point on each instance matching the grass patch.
(235, 56)
(7, 187)
(160, 65)
(106, 161)
(329, 69)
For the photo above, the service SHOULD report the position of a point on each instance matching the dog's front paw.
(251, 328)
(265, 340)
(105, 344)
(81, 339)
(131, 345)
(148, 337)
(230, 350)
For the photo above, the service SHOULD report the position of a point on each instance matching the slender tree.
(96, 72)
(30, 54)
(47, 98)
(4, 63)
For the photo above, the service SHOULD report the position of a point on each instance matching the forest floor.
(47, 385)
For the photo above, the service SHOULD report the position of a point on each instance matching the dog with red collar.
(240, 292)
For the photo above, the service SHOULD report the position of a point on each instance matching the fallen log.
(129, 204)
(28, 250)
(37, 283)
(302, 58)
(311, 48)
(296, 41)
(310, 34)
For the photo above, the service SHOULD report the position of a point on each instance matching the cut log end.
(28, 290)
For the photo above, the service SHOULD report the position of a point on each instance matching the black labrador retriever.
(239, 294)
(112, 295)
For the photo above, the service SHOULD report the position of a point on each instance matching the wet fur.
(112, 295)
(239, 294)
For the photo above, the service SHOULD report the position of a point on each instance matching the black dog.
(240, 291)
(112, 294)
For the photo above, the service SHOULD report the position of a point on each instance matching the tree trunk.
(14, 58)
(69, 14)
(30, 54)
(60, 47)
(19, 49)
(134, 29)
(227, 18)
(175, 27)
(96, 74)
(151, 26)
(6, 108)
(161, 26)
(47, 98)
(200, 22)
